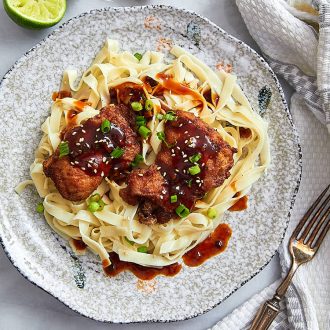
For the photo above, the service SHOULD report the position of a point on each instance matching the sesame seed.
(198, 181)
(87, 145)
(83, 131)
(95, 170)
(185, 161)
(184, 171)
(72, 163)
(161, 197)
(173, 155)
(83, 168)
(181, 125)
(77, 144)
(178, 148)
(176, 170)
(158, 168)
(81, 139)
(164, 174)
(197, 136)
(203, 164)
(102, 174)
(74, 133)
(186, 132)
(184, 156)
(98, 130)
(104, 159)
(140, 174)
(76, 162)
(172, 150)
(186, 141)
(177, 188)
(89, 165)
(107, 162)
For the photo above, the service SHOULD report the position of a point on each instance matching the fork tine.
(318, 227)
(321, 237)
(307, 215)
(314, 219)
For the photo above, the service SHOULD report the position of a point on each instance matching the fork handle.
(266, 314)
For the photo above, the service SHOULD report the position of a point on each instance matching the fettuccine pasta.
(116, 228)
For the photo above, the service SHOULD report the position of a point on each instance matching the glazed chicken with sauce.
(78, 174)
(193, 160)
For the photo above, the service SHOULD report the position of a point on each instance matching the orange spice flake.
(146, 286)
(164, 44)
(152, 23)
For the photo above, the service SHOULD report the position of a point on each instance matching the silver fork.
(304, 243)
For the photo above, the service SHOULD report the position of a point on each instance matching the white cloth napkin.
(300, 54)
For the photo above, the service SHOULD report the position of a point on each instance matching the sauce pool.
(240, 204)
(214, 244)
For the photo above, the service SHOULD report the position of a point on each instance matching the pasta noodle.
(116, 228)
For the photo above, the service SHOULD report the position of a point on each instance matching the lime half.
(35, 14)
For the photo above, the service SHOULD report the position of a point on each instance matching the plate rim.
(283, 100)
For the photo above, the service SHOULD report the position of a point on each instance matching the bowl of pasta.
(153, 150)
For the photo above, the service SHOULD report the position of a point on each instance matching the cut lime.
(35, 14)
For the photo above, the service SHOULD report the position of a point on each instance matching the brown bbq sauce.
(245, 133)
(79, 245)
(179, 181)
(240, 205)
(90, 148)
(144, 273)
(214, 244)
(61, 95)
(127, 93)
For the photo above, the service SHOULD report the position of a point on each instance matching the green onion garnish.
(105, 126)
(117, 152)
(95, 198)
(140, 121)
(40, 208)
(129, 241)
(161, 136)
(159, 116)
(101, 205)
(170, 116)
(136, 106)
(64, 148)
(144, 131)
(174, 198)
(137, 160)
(212, 213)
(195, 158)
(148, 105)
(182, 211)
(189, 182)
(193, 170)
(142, 249)
(93, 207)
(138, 56)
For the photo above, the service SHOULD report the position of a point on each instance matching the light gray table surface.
(23, 305)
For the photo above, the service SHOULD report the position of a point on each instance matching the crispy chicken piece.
(187, 137)
(72, 182)
(77, 175)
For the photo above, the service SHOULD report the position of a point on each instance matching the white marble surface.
(24, 306)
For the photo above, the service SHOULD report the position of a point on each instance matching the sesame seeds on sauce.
(191, 141)
(90, 147)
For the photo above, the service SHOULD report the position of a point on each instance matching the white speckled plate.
(46, 260)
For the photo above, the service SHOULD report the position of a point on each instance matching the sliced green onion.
(189, 182)
(93, 207)
(140, 121)
(174, 198)
(170, 116)
(138, 56)
(105, 126)
(101, 205)
(159, 116)
(212, 213)
(117, 152)
(95, 198)
(148, 105)
(161, 136)
(136, 106)
(144, 131)
(137, 160)
(182, 211)
(40, 208)
(129, 241)
(64, 148)
(142, 249)
(193, 170)
(195, 158)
